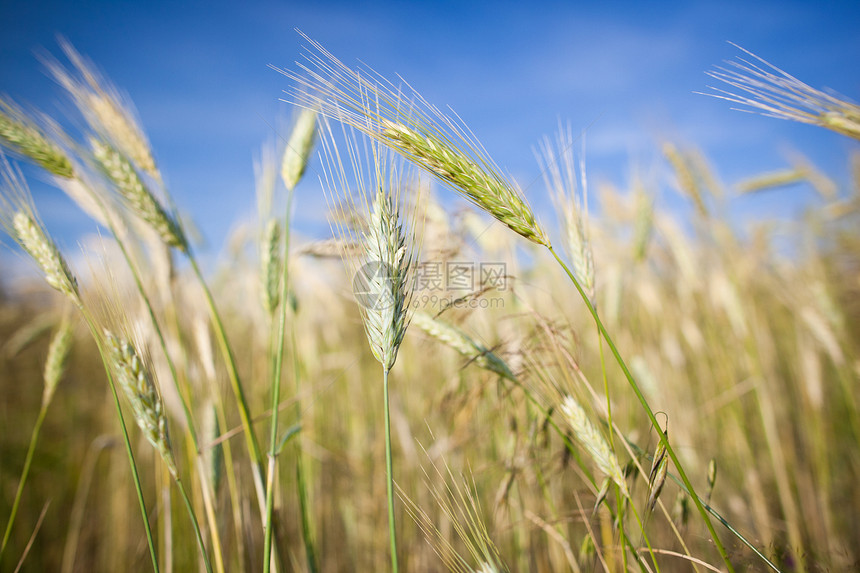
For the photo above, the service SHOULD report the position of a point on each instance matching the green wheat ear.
(136, 382)
(407, 124)
(120, 171)
(385, 244)
(21, 135)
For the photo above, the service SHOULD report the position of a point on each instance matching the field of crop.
(441, 385)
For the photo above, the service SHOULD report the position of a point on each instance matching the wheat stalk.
(388, 246)
(55, 366)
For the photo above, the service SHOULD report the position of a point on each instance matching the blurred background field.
(730, 287)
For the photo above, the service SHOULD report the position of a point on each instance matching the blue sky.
(198, 74)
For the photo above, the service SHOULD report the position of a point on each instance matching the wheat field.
(451, 380)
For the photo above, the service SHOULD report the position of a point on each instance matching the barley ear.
(479, 184)
(404, 122)
(18, 218)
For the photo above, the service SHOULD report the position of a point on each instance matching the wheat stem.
(34, 438)
(184, 401)
(636, 390)
(392, 534)
(197, 534)
(276, 397)
(236, 384)
(55, 365)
